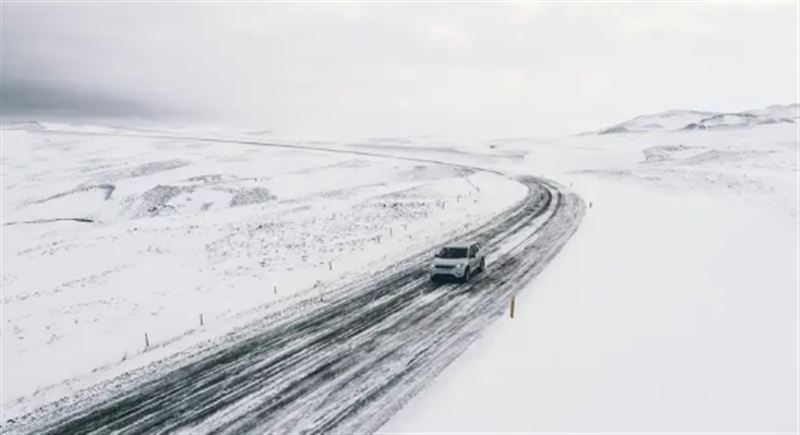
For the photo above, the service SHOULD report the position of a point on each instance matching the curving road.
(348, 365)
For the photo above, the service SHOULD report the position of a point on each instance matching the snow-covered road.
(346, 365)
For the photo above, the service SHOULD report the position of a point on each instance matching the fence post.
(512, 307)
(201, 319)
(275, 289)
(146, 341)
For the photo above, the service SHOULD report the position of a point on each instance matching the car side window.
(473, 250)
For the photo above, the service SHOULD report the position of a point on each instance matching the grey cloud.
(477, 68)
(29, 99)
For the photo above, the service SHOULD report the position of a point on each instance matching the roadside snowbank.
(674, 308)
(664, 313)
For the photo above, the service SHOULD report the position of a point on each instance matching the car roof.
(459, 245)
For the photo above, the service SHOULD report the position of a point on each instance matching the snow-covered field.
(109, 238)
(673, 309)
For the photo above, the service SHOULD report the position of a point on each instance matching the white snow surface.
(674, 308)
(172, 229)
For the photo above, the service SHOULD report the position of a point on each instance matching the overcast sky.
(381, 68)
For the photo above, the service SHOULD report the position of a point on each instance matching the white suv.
(458, 261)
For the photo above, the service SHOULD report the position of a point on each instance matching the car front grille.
(444, 266)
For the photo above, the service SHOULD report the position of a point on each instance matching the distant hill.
(676, 120)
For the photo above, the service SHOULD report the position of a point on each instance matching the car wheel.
(465, 278)
(483, 264)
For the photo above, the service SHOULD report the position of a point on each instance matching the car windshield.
(452, 253)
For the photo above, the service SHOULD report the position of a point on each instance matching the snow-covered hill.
(674, 307)
(674, 120)
(107, 238)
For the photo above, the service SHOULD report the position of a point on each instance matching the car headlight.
(460, 266)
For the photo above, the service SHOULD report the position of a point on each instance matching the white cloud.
(482, 69)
